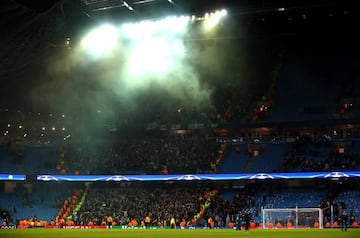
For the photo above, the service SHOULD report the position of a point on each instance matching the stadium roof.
(33, 29)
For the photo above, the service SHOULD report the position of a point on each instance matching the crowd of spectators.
(182, 202)
(226, 211)
(192, 154)
(135, 202)
(5, 217)
(162, 202)
(308, 155)
(129, 203)
(147, 156)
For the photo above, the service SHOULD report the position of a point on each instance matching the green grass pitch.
(217, 233)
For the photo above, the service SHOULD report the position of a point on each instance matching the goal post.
(292, 218)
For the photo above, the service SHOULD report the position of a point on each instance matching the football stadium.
(179, 118)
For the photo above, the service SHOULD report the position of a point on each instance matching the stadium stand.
(349, 201)
(7, 161)
(40, 159)
(135, 202)
(269, 152)
(234, 159)
(277, 108)
(142, 156)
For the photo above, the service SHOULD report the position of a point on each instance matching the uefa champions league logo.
(336, 175)
(188, 177)
(46, 178)
(118, 178)
(261, 176)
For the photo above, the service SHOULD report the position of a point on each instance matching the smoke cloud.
(138, 80)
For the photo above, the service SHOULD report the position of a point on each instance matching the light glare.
(100, 40)
(213, 19)
(166, 26)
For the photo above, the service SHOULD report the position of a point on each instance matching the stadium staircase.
(79, 205)
(249, 164)
(274, 80)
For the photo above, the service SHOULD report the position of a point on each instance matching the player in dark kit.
(239, 219)
(247, 218)
(344, 219)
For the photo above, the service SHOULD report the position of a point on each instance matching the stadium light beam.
(100, 40)
(147, 28)
(155, 48)
(128, 6)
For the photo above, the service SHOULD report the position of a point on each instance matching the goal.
(292, 218)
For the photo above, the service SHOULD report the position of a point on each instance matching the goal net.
(292, 218)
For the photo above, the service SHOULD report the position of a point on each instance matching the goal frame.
(296, 210)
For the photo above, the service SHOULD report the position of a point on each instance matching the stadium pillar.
(332, 216)
(263, 217)
(321, 218)
(296, 217)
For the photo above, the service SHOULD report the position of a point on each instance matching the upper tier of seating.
(33, 159)
(183, 156)
(315, 88)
